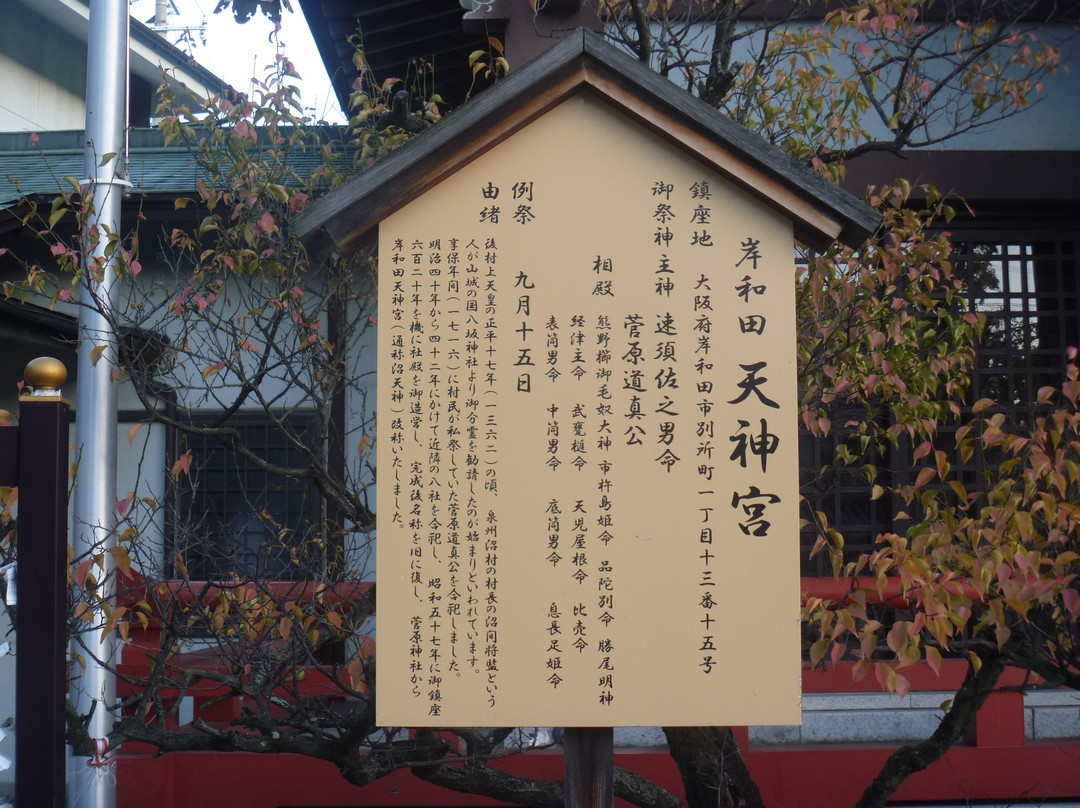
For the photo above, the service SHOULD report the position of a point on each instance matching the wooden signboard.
(587, 409)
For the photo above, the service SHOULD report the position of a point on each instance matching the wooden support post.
(39, 467)
(588, 767)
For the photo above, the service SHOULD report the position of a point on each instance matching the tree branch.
(907, 760)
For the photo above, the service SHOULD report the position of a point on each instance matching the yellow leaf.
(95, 354)
(933, 659)
(976, 662)
(1024, 525)
(123, 560)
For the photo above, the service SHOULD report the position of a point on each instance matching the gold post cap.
(45, 375)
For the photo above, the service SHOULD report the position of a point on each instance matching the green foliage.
(989, 569)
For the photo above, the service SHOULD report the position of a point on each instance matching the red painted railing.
(996, 762)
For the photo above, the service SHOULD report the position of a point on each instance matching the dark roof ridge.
(580, 61)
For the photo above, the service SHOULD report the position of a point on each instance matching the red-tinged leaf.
(135, 268)
(836, 653)
(982, 404)
(267, 223)
(886, 676)
(925, 476)
(213, 369)
(1071, 599)
(122, 505)
(356, 675)
(181, 466)
(132, 432)
(82, 572)
(334, 619)
(901, 685)
(921, 451)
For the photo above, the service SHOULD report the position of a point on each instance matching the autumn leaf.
(181, 466)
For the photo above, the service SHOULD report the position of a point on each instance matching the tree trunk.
(713, 770)
(907, 760)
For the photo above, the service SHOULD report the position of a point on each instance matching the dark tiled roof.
(38, 169)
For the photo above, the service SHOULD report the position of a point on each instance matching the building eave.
(150, 53)
(821, 212)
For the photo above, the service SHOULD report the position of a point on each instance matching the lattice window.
(231, 515)
(1028, 291)
(1026, 284)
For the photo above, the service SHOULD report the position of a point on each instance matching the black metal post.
(38, 456)
(588, 767)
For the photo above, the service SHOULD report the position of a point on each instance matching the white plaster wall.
(140, 471)
(43, 72)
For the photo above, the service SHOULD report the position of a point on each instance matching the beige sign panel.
(587, 494)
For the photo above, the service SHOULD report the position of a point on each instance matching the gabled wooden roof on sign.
(584, 62)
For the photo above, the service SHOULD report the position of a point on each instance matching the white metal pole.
(94, 502)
